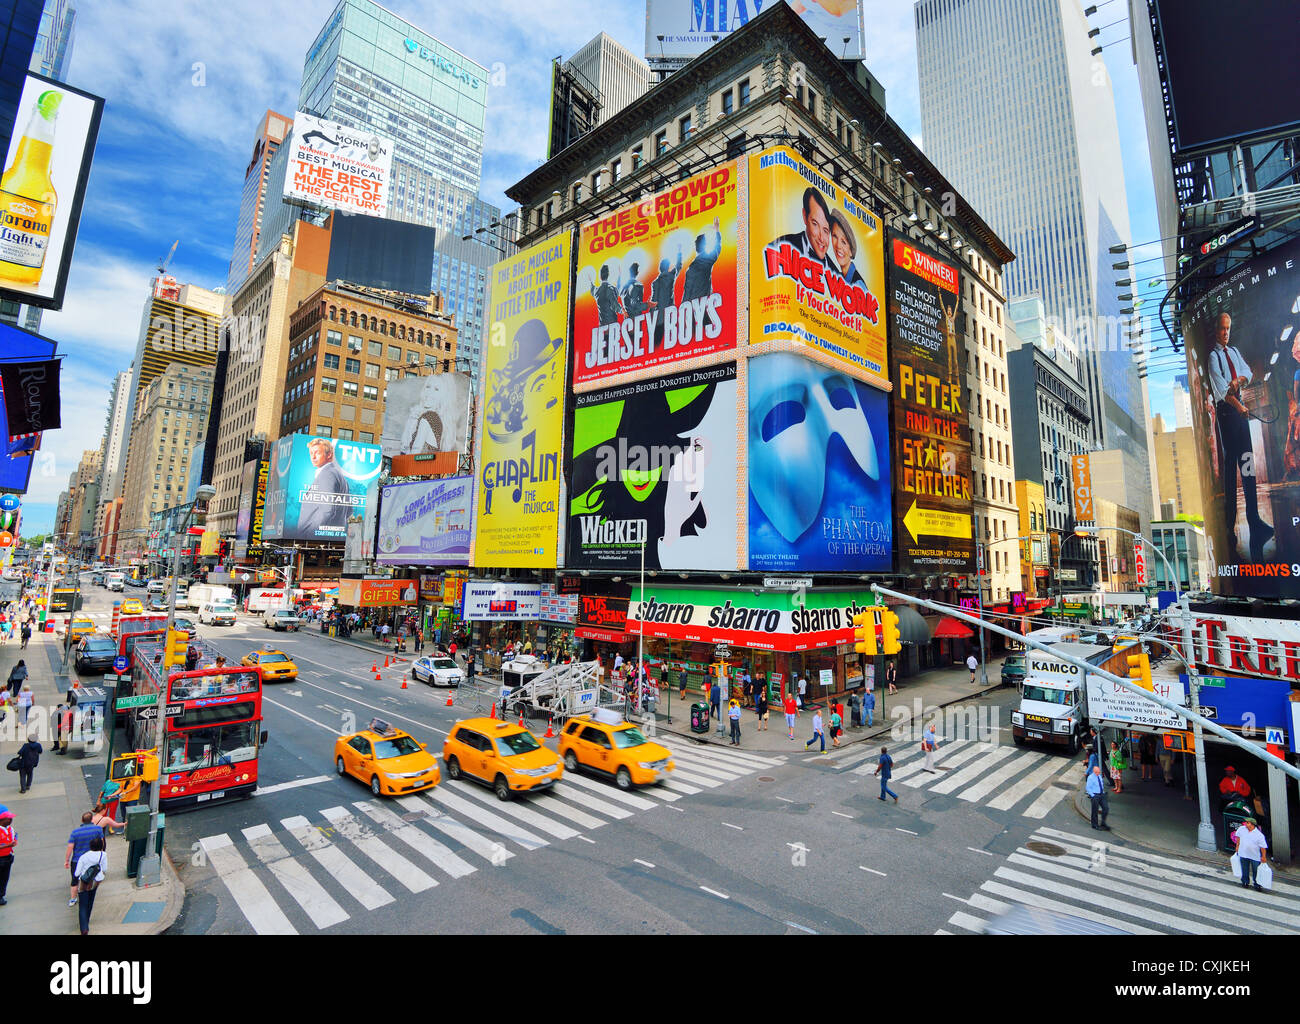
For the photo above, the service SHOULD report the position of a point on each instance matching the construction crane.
(162, 263)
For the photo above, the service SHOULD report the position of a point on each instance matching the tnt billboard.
(315, 484)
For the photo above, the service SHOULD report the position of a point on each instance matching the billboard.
(678, 31)
(16, 467)
(1243, 362)
(315, 484)
(356, 593)
(426, 523)
(42, 188)
(816, 266)
(654, 464)
(516, 517)
(657, 280)
(1206, 43)
(1085, 511)
(382, 253)
(818, 469)
(932, 450)
(492, 601)
(426, 414)
(338, 167)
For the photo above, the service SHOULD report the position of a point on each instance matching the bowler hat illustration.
(532, 348)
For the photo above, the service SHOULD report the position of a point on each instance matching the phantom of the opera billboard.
(656, 280)
(654, 466)
(1243, 363)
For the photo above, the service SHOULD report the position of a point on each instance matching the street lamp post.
(150, 869)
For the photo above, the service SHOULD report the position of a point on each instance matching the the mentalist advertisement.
(657, 280)
(518, 503)
(316, 484)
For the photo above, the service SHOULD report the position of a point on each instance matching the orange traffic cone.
(378, 678)
(386, 661)
(449, 702)
(403, 682)
(374, 666)
(521, 718)
(550, 731)
(493, 712)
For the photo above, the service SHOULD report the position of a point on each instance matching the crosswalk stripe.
(961, 919)
(986, 785)
(948, 757)
(420, 842)
(728, 754)
(956, 780)
(709, 768)
(631, 799)
(250, 895)
(680, 787)
(688, 774)
(297, 881)
(588, 802)
(502, 826)
(1046, 800)
(547, 802)
(527, 815)
(351, 829)
(1033, 899)
(1121, 908)
(660, 792)
(359, 885)
(1022, 787)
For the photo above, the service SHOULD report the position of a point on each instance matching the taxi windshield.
(519, 743)
(398, 746)
(1049, 695)
(628, 737)
(267, 659)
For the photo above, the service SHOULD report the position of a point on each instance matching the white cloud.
(100, 318)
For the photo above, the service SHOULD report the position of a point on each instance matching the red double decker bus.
(212, 734)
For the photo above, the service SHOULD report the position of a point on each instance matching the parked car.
(219, 613)
(1013, 669)
(95, 653)
(437, 671)
(280, 618)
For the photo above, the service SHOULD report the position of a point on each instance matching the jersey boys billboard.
(518, 495)
(816, 266)
(818, 465)
(657, 280)
(932, 495)
(654, 463)
(1243, 361)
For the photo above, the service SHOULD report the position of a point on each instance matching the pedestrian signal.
(1139, 670)
(891, 641)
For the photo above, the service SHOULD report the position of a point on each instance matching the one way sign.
(149, 714)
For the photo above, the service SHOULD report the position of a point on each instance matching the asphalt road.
(744, 843)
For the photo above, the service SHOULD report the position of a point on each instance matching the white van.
(219, 613)
(116, 581)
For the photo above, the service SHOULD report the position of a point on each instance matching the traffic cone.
(449, 702)
(374, 666)
(521, 718)
(403, 682)
(550, 731)
(493, 712)
(378, 678)
(386, 661)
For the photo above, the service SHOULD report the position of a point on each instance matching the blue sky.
(185, 90)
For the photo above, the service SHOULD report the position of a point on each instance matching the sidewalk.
(61, 792)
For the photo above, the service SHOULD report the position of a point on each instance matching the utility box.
(137, 823)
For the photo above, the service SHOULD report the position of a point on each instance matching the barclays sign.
(441, 63)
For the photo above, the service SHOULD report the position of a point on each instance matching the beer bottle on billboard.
(27, 198)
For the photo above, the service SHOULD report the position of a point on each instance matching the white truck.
(115, 581)
(1054, 694)
(207, 593)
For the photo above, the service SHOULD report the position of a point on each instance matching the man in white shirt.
(803, 688)
(1252, 850)
(1229, 373)
(973, 664)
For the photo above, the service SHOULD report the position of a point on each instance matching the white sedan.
(436, 671)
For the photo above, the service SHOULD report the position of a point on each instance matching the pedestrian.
(715, 697)
(1095, 787)
(78, 843)
(58, 729)
(8, 841)
(973, 665)
(101, 817)
(110, 795)
(17, 676)
(855, 709)
(803, 688)
(618, 661)
(837, 725)
(1117, 767)
(419, 642)
(869, 706)
(1147, 754)
(191, 658)
(26, 635)
(929, 744)
(89, 872)
(682, 680)
(25, 703)
(818, 733)
(29, 756)
(885, 769)
(734, 714)
(1166, 758)
(791, 708)
(1252, 851)
(891, 674)
(383, 633)
(760, 706)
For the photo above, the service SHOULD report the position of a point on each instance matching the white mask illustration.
(795, 407)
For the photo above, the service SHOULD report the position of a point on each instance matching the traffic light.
(1139, 670)
(175, 649)
(890, 641)
(864, 630)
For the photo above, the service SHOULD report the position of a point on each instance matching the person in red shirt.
(791, 712)
(7, 843)
(1233, 786)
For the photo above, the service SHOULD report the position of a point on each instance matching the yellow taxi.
(502, 755)
(132, 606)
(606, 743)
(389, 760)
(276, 666)
(81, 626)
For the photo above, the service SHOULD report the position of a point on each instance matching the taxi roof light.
(378, 725)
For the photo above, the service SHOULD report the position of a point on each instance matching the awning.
(912, 627)
(952, 629)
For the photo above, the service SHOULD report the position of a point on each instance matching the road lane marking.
(714, 892)
(644, 863)
(358, 884)
(251, 896)
(313, 780)
(328, 728)
(351, 829)
(297, 881)
(984, 852)
(800, 927)
(907, 830)
(957, 898)
(736, 827)
(842, 814)
(375, 707)
(586, 840)
(863, 867)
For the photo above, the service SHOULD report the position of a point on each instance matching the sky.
(186, 90)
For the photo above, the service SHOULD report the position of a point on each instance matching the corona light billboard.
(657, 280)
(816, 266)
(517, 506)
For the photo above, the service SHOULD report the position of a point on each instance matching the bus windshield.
(1048, 695)
(205, 748)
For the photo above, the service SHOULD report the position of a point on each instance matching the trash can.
(1232, 819)
(699, 717)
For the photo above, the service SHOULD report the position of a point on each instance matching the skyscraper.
(252, 201)
(617, 74)
(1022, 118)
(53, 49)
(116, 437)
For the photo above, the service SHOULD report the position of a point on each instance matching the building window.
(371, 394)
(413, 358)
(367, 438)
(352, 366)
(349, 389)
(331, 361)
(577, 193)
(394, 354)
(392, 373)
(727, 104)
(344, 434)
(684, 128)
(743, 89)
(661, 143)
(812, 103)
(375, 348)
(616, 169)
(354, 342)
(334, 338)
(325, 431)
(636, 157)
(372, 370)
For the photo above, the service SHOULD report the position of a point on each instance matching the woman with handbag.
(28, 757)
(1117, 767)
(90, 872)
